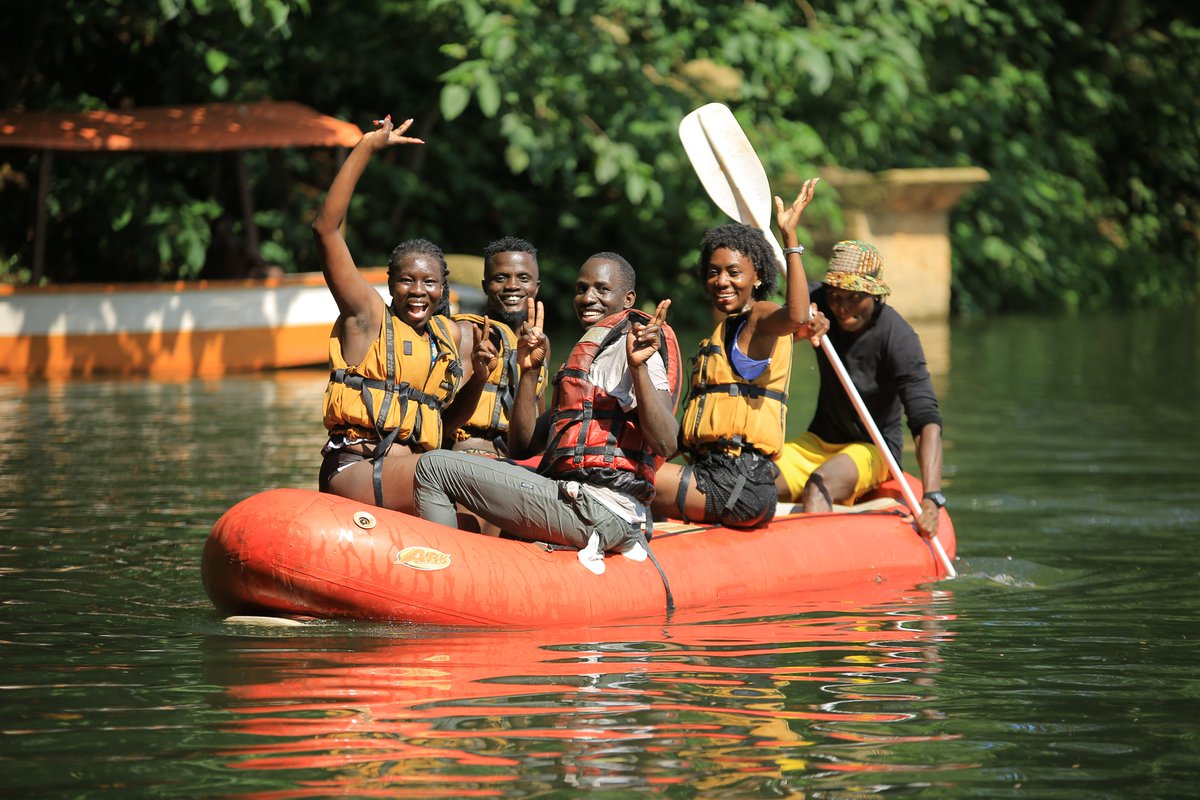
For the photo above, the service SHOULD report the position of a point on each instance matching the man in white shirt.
(620, 383)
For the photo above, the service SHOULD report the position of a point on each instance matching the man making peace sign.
(611, 425)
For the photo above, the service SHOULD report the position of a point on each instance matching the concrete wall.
(905, 213)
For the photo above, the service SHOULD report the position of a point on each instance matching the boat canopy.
(214, 127)
(192, 128)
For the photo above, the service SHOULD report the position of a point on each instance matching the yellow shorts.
(800, 459)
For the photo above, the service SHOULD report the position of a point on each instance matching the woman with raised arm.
(393, 366)
(734, 417)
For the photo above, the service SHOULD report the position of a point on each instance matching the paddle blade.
(703, 152)
(728, 167)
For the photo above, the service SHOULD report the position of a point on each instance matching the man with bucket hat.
(835, 461)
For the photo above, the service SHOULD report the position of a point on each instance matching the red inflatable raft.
(297, 552)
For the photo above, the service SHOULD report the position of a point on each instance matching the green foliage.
(557, 121)
(1077, 111)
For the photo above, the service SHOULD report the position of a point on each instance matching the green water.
(1061, 664)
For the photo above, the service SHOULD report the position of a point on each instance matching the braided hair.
(422, 247)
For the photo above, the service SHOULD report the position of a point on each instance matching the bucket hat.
(856, 267)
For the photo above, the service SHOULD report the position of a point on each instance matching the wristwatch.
(938, 498)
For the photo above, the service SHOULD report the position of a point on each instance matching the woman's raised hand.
(788, 218)
(533, 347)
(386, 134)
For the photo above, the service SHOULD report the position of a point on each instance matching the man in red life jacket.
(610, 427)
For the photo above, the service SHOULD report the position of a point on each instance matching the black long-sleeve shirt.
(887, 365)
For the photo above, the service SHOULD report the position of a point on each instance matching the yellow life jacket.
(490, 418)
(398, 391)
(725, 411)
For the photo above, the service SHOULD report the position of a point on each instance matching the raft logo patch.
(423, 558)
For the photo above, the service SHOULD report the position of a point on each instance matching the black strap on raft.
(644, 538)
(685, 478)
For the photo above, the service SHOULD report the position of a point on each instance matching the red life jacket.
(592, 439)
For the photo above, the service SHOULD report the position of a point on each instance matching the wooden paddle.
(734, 178)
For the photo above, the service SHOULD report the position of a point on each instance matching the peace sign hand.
(484, 355)
(643, 341)
(533, 348)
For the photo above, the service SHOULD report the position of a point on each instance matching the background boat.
(181, 329)
(178, 329)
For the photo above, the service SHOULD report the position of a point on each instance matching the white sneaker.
(591, 556)
(634, 551)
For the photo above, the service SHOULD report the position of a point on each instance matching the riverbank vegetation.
(556, 121)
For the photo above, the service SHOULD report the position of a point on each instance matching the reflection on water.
(744, 706)
(1060, 664)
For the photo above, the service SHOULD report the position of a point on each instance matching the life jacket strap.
(749, 390)
(400, 389)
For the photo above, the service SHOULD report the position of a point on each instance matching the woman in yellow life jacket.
(736, 410)
(393, 366)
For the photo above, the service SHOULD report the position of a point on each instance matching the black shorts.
(739, 491)
(335, 460)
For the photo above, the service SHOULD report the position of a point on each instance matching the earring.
(757, 284)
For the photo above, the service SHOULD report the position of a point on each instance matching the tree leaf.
(517, 158)
(216, 60)
(454, 100)
(488, 93)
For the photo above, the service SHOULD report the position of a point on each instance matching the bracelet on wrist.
(798, 250)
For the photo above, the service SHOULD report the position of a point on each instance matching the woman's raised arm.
(355, 297)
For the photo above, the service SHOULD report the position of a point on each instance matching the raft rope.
(645, 536)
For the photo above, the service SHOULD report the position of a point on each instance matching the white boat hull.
(172, 330)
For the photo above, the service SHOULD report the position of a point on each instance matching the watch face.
(938, 498)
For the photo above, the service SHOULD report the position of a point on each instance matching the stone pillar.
(905, 213)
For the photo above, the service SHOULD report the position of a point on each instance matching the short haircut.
(750, 242)
(624, 269)
(507, 244)
(422, 247)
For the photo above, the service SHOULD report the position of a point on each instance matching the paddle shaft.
(877, 437)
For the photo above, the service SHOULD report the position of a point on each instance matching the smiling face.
(729, 280)
(852, 311)
(509, 279)
(417, 288)
(601, 291)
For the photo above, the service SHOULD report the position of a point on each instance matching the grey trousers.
(521, 502)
